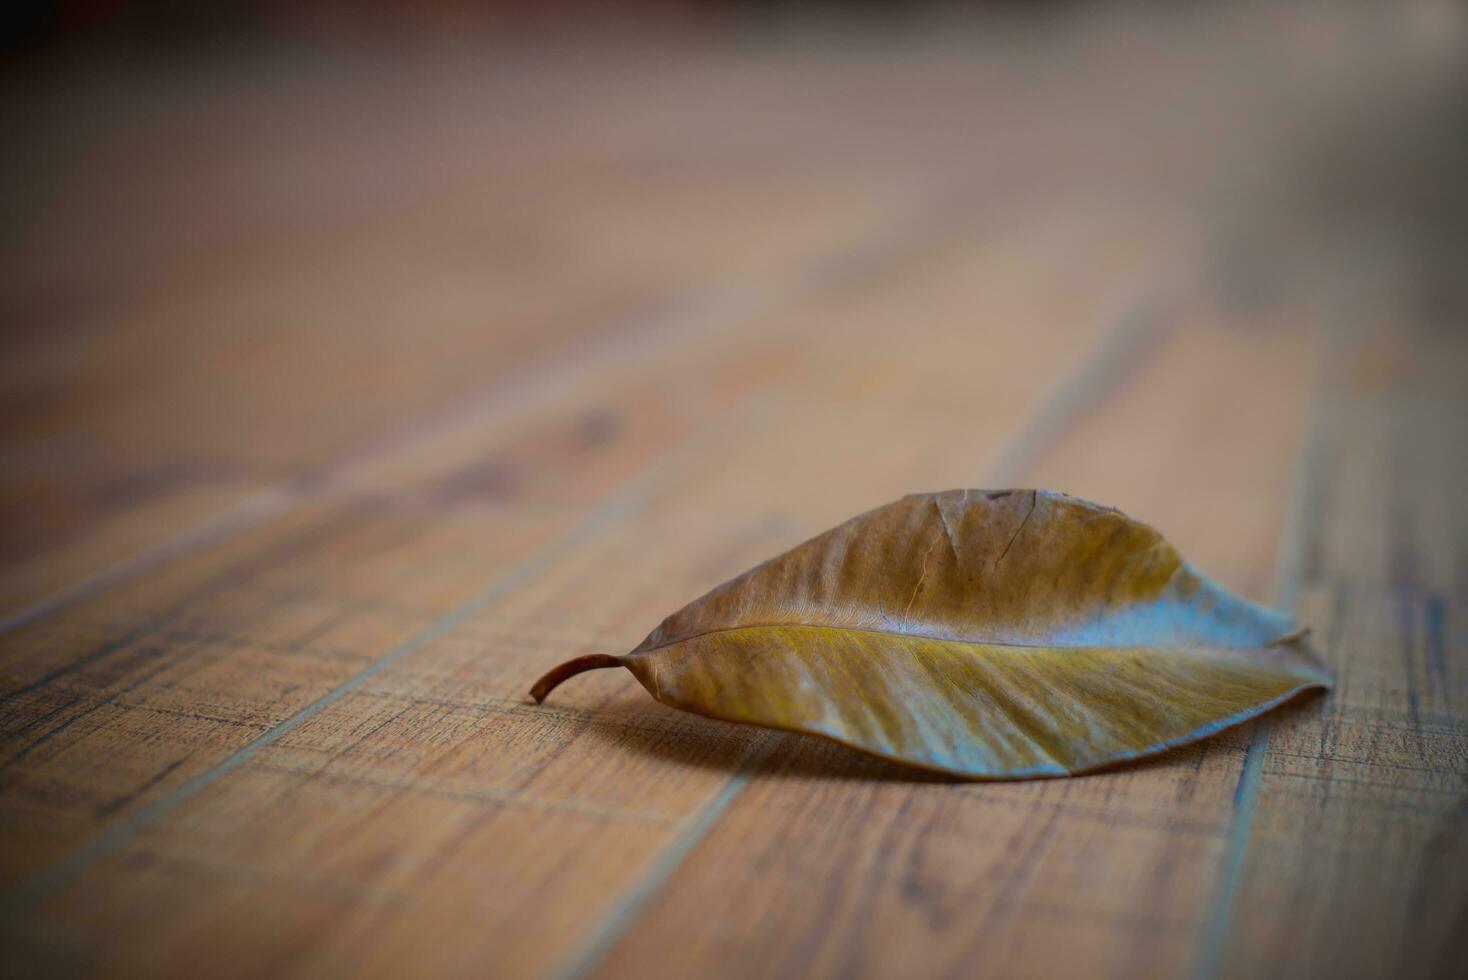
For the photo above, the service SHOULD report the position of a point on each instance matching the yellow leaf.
(986, 634)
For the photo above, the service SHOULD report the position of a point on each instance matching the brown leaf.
(998, 634)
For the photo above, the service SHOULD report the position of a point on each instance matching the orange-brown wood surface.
(309, 471)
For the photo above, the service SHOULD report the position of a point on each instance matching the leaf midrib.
(1180, 646)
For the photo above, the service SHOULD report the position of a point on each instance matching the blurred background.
(242, 238)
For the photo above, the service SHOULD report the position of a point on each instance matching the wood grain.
(312, 475)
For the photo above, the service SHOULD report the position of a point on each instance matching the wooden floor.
(327, 429)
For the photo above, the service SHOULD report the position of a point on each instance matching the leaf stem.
(592, 661)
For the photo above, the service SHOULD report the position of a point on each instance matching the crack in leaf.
(948, 528)
(1034, 501)
(922, 577)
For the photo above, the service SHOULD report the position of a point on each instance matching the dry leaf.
(998, 634)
